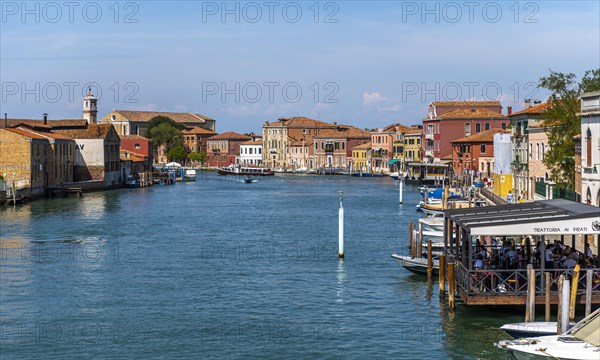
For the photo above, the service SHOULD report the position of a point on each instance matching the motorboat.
(531, 329)
(132, 182)
(245, 170)
(249, 179)
(433, 224)
(189, 175)
(416, 265)
(581, 342)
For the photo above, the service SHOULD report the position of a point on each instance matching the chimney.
(527, 103)
(509, 109)
(5, 120)
(45, 118)
(537, 102)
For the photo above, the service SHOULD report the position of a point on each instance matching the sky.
(363, 63)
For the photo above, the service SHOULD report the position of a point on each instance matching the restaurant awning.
(546, 217)
(393, 161)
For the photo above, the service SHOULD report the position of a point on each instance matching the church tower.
(90, 109)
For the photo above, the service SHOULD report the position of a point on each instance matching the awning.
(393, 161)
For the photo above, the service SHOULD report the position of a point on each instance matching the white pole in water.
(341, 227)
(400, 188)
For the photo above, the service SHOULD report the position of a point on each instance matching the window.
(487, 126)
(477, 128)
(482, 150)
(543, 151)
(530, 151)
(337, 145)
(137, 146)
(343, 145)
(304, 131)
(537, 151)
(504, 126)
(467, 129)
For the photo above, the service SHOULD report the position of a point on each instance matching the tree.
(164, 132)
(561, 122)
(177, 154)
(203, 156)
(198, 157)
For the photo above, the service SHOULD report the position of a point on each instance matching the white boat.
(531, 329)
(433, 224)
(189, 175)
(581, 342)
(416, 265)
(431, 212)
(394, 175)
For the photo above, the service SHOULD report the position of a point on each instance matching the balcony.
(589, 169)
(429, 136)
(517, 165)
(428, 152)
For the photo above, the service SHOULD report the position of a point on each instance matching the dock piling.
(588, 291)
(400, 187)
(451, 286)
(562, 319)
(547, 314)
(574, 292)
(530, 299)
(420, 245)
(429, 261)
(442, 276)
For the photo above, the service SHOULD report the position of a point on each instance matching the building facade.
(361, 158)
(475, 154)
(333, 147)
(537, 173)
(279, 135)
(382, 148)
(251, 152)
(590, 148)
(224, 149)
(129, 122)
(194, 139)
(451, 120)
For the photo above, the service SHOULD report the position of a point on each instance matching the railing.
(429, 152)
(589, 170)
(429, 136)
(493, 197)
(558, 193)
(514, 282)
(540, 188)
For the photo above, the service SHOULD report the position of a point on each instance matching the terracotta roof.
(299, 122)
(467, 103)
(198, 131)
(472, 113)
(535, 109)
(230, 135)
(63, 123)
(93, 131)
(25, 132)
(346, 132)
(131, 157)
(252, 142)
(145, 116)
(413, 131)
(365, 146)
(541, 124)
(486, 136)
(578, 136)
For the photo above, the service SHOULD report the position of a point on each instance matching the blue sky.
(243, 63)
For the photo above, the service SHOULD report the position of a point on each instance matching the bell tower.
(90, 107)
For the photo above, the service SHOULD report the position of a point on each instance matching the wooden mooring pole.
(429, 261)
(530, 299)
(547, 314)
(420, 246)
(442, 276)
(562, 319)
(451, 286)
(410, 235)
(574, 284)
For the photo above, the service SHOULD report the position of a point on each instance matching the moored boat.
(132, 182)
(416, 265)
(531, 329)
(189, 175)
(581, 342)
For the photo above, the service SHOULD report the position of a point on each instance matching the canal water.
(223, 269)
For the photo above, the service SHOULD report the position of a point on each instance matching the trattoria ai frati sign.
(585, 226)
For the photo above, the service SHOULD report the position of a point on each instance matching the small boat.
(131, 182)
(416, 265)
(433, 224)
(581, 342)
(531, 329)
(394, 175)
(189, 175)
(249, 180)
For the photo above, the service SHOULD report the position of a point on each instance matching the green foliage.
(199, 157)
(177, 153)
(164, 131)
(203, 156)
(562, 123)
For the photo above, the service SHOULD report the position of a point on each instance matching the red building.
(223, 149)
(137, 145)
(333, 147)
(474, 153)
(450, 120)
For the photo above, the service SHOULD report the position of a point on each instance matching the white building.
(502, 153)
(590, 148)
(251, 152)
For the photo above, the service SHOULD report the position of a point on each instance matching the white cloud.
(392, 108)
(372, 98)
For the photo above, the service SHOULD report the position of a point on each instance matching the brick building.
(224, 149)
(333, 147)
(451, 120)
(474, 153)
(130, 122)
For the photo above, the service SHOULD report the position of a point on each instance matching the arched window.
(588, 147)
(588, 197)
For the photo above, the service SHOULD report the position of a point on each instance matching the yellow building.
(360, 163)
(412, 145)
